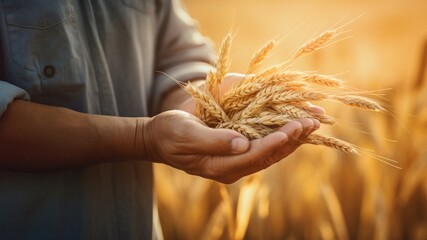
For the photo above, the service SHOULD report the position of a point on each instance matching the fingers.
(263, 152)
(309, 127)
(231, 168)
(316, 109)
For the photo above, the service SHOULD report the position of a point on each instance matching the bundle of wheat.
(263, 101)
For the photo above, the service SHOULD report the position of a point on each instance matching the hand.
(182, 141)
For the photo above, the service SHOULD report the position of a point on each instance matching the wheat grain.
(222, 67)
(331, 142)
(296, 85)
(210, 81)
(260, 55)
(261, 98)
(323, 80)
(292, 111)
(323, 118)
(289, 96)
(315, 43)
(259, 104)
(268, 120)
(207, 102)
(240, 92)
(244, 129)
(223, 64)
(269, 71)
(360, 102)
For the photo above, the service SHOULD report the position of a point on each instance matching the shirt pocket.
(43, 45)
(143, 6)
(36, 14)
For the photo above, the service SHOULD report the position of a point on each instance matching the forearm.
(39, 137)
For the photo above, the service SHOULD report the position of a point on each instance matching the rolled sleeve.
(183, 54)
(8, 93)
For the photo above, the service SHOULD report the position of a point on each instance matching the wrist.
(142, 140)
(119, 138)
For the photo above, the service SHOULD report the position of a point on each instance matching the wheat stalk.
(260, 103)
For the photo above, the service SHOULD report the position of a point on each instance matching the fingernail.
(239, 145)
(316, 124)
(317, 109)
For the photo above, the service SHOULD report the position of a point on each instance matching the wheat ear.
(315, 43)
(359, 102)
(332, 142)
(260, 56)
(207, 103)
(244, 129)
(261, 103)
(222, 67)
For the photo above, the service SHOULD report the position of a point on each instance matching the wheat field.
(320, 193)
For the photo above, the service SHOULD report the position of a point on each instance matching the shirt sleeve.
(182, 54)
(8, 93)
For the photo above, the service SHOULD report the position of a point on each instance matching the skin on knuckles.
(304, 128)
(295, 143)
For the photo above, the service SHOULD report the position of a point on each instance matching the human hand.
(182, 141)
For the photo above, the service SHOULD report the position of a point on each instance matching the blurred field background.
(319, 193)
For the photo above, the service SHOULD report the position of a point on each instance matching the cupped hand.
(181, 140)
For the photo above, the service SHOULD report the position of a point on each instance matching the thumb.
(205, 140)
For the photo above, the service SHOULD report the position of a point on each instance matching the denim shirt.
(110, 57)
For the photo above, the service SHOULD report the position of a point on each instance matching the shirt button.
(49, 71)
